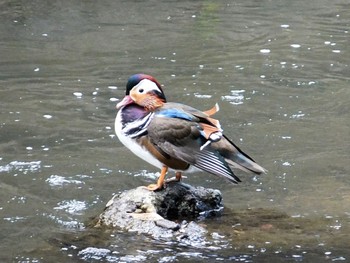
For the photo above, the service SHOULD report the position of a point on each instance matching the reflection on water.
(279, 71)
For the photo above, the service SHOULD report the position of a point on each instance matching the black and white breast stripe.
(138, 127)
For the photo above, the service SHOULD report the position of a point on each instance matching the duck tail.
(237, 158)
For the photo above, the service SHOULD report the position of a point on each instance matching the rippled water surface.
(278, 69)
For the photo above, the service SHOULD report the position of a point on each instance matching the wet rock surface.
(163, 214)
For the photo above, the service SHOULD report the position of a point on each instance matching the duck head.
(143, 90)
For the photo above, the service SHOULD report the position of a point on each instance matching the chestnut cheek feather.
(138, 98)
(147, 100)
(151, 103)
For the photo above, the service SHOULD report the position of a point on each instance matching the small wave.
(21, 166)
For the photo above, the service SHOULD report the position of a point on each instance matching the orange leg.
(160, 182)
(177, 178)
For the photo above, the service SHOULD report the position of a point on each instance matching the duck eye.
(141, 90)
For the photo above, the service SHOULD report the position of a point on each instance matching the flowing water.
(279, 71)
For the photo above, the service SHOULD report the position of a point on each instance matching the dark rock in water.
(179, 200)
(144, 211)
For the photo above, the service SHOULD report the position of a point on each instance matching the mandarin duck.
(175, 136)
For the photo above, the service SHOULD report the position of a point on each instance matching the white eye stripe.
(147, 85)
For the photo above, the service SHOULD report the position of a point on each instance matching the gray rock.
(162, 213)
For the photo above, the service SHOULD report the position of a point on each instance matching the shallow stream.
(279, 71)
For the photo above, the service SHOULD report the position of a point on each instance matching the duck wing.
(179, 133)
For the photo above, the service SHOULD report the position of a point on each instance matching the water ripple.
(21, 166)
